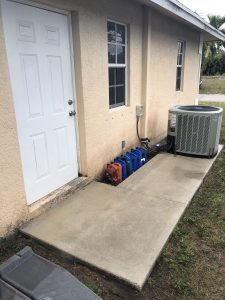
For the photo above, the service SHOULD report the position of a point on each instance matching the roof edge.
(180, 10)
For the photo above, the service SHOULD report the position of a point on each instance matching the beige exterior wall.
(12, 196)
(162, 93)
(152, 55)
(104, 128)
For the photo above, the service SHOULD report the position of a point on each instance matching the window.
(117, 63)
(180, 65)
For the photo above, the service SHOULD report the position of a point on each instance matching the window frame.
(181, 66)
(116, 65)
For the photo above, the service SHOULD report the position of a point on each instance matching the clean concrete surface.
(212, 97)
(170, 177)
(122, 230)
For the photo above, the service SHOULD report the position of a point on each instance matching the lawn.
(191, 266)
(213, 85)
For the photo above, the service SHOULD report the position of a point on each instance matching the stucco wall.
(12, 195)
(101, 130)
(105, 128)
(165, 34)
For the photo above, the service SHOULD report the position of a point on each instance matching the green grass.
(96, 289)
(213, 85)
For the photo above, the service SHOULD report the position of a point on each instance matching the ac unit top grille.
(199, 108)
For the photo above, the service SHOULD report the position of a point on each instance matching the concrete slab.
(212, 97)
(122, 230)
(171, 177)
(118, 231)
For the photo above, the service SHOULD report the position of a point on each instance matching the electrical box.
(139, 110)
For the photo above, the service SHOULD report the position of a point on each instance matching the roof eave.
(181, 11)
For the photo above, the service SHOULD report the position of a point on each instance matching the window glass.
(179, 59)
(120, 93)
(112, 54)
(112, 77)
(112, 96)
(179, 71)
(120, 37)
(181, 47)
(117, 64)
(178, 84)
(111, 32)
(180, 65)
(121, 54)
(120, 76)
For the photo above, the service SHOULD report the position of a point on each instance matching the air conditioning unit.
(194, 130)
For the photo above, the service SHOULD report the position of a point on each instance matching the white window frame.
(115, 65)
(180, 65)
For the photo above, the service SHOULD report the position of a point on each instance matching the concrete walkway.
(122, 230)
(212, 97)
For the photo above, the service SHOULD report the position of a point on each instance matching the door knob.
(72, 113)
(70, 102)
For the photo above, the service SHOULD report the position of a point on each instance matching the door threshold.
(57, 196)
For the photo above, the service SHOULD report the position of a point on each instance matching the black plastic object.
(199, 108)
(40, 279)
(8, 292)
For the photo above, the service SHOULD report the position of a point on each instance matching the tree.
(218, 22)
(211, 57)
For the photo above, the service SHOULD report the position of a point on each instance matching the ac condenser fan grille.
(192, 134)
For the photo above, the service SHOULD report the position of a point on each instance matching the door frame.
(72, 60)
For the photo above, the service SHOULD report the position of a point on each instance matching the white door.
(38, 49)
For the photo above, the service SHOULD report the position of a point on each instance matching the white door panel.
(38, 49)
